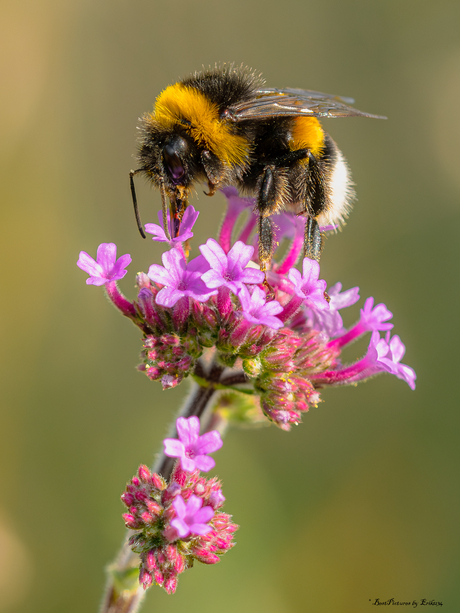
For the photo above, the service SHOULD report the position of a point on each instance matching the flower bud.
(127, 499)
(131, 521)
(144, 473)
(170, 584)
(145, 579)
(150, 561)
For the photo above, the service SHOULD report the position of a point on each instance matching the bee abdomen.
(338, 185)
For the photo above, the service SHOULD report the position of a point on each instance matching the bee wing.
(295, 103)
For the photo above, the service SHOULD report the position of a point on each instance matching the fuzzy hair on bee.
(223, 127)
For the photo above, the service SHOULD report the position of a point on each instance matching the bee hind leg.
(266, 206)
(265, 242)
(313, 240)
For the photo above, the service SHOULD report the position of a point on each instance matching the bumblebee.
(224, 127)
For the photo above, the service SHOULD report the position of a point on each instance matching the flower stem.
(123, 593)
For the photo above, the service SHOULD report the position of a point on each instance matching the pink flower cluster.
(283, 331)
(178, 522)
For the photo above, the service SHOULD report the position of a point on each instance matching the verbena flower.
(257, 310)
(191, 516)
(191, 448)
(188, 221)
(282, 350)
(106, 267)
(175, 523)
(308, 286)
(330, 321)
(180, 279)
(229, 270)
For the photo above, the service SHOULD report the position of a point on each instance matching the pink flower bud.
(159, 577)
(199, 489)
(131, 521)
(144, 473)
(179, 564)
(153, 373)
(170, 585)
(168, 381)
(170, 534)
(171, 553)
(153, 354)
(127, 498)
(142, 280)
(206, 557)
(180, 476)
(161, 558)
(158, 482)
(145, 579)
(153, 507)
(146, 517)
(150, 561)
(169, 514)
(140, 495)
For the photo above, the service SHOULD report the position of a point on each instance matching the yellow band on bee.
(179, 102)
(307, 133)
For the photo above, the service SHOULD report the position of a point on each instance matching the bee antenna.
(133, 194)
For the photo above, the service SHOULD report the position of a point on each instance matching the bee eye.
(171, 151)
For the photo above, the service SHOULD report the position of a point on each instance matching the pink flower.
(330, 321)
(229, 270)
(373, 318)
(191, 448)
(257, 310)
(387, 354)
(180, 279)
(187, 223)
(106, 267)
(308, 286)
(192, 517)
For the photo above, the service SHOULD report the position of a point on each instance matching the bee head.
(176, 150)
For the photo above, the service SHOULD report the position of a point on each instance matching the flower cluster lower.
(178, 522)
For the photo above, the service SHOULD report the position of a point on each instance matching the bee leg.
(313, 241)
(214, 170)
(265, 251)
(212, 189)
(266, 205)
(314, 205)
(265, 242)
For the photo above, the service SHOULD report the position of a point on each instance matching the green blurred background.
(361, 500)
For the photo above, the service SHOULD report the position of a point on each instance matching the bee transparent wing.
(295, 103)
